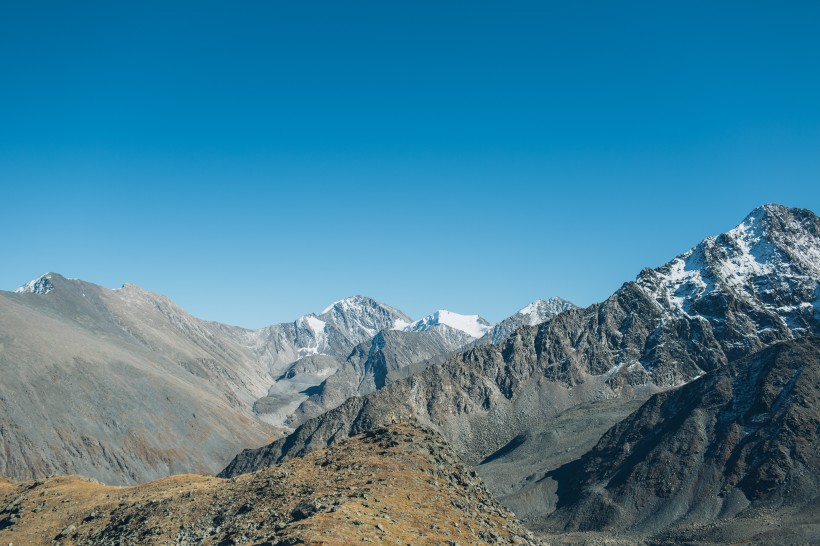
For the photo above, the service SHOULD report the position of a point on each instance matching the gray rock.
(738, 439)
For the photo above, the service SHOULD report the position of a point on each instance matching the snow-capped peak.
(360, 317)
(352, 303)
(41, 285)
(472, 325)
(771, 259)
(542, 310)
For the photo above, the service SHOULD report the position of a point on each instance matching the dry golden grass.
(396, 485)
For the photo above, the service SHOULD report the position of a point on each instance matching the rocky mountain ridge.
(163, 391)
(396, 484)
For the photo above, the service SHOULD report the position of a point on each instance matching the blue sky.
(258, 160)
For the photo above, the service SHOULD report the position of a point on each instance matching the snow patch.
(762, 260)
(532, 312)
(318, 335)
(330, 307)
(41, 285)
(400, 324)
(472, 325)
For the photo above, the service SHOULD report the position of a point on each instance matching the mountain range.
(124, 386)
(683, 408)
(723, 300)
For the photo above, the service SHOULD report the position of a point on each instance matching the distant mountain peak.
(369, 315)
(41, 285)
(351, 303)
(542, 310)
(537, 312)
(472, 325)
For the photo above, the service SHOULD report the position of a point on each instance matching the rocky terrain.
(300, 355)
(740, 442)
(398, 484)
(682, 406)
(521, 474)
(741, 291)
(725, 299)
(389, 355)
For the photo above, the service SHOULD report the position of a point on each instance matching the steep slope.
(742, 440)
(397, 484)
(125, 386)
(521, 474)
(119, 384)
(657, 332)
(333, 333)
(319, 382)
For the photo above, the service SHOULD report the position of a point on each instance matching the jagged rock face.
(538, 312)
(740, 438)
(316, 383)
(397, 484)
(301, 354)
(359, 318)
(657, 332)
(41, 285)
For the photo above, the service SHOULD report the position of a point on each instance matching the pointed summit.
(41, 285)
(770, 262)
(361, 317)
(537, 312)
(353, 304)
(542, 310)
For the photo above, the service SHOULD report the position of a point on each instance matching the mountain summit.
(41, 285)
(472, 325)
(537, 312)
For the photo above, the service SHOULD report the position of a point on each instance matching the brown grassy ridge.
(399, 484)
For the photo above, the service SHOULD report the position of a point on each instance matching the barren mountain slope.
(390, 355)
(122, 385)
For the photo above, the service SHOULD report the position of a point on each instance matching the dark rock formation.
(739, 439)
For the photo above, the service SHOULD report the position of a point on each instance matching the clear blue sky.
(257, 160)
